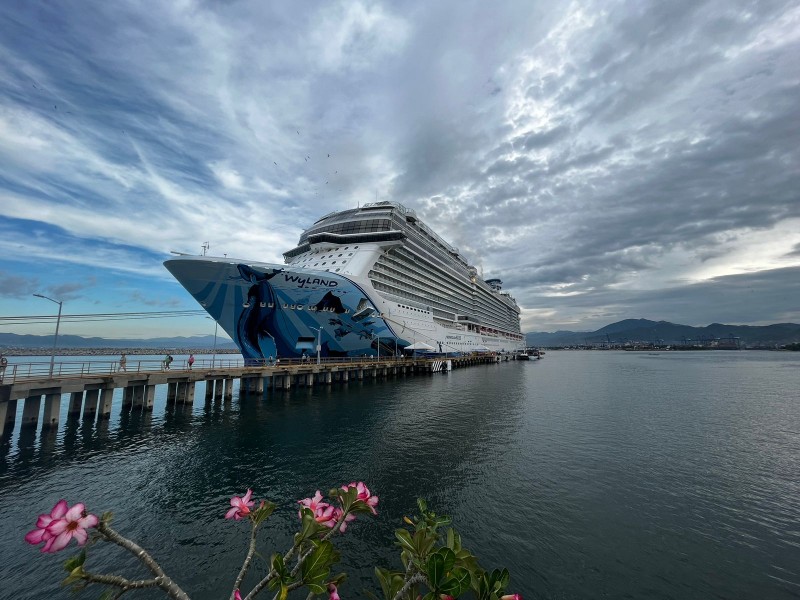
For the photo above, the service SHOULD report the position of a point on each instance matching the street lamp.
(379, 346)
(319, 340)
(58, 323)
(214, 351)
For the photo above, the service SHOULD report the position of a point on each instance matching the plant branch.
(120, 582)
(246, 565)
(289, 553)
(172, 589)
(418, 578)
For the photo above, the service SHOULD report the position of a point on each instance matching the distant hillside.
(12, 340)
(644, 330)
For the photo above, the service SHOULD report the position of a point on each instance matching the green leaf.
(423, 542)
(260, 514)
(391, 582)
(317, 565)
(284, 592)
(423, 506)
(439, 565)
(457, 583)
(435, 569)
(74, 562)
(347, 498)
(309, 527)
(281, 571)
(317, 588)
(75, 575)
(405, 540)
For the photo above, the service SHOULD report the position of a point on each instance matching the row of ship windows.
(487, 316)
(287, 306)
(482, 299)
(351, 227)
(336, 270)
(412, 308)
(445, 303)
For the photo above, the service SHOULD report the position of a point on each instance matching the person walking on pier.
(123, 362)
(3, 365)
(191, 361)
(167, 362)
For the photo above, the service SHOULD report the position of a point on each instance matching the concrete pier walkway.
(91, 392)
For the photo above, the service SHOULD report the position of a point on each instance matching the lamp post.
(58, 323)
(379, 346)
(319, 341)
(214, 351)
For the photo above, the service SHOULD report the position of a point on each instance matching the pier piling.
(30, 411)
(52, 410)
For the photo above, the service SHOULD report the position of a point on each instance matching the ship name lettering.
(303, 281)
(453, 337)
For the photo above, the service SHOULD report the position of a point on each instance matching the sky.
(606, 160)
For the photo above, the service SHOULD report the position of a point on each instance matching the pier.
(91, 385)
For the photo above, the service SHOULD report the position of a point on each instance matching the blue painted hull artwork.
(270, 311)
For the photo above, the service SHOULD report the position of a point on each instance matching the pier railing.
(39, 370)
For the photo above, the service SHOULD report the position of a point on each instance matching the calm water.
(588, 474)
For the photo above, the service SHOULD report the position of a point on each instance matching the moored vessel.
(371, 280)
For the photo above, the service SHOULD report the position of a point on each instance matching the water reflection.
(587, 474)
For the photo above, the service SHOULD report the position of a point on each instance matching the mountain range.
(13, 340)
(627, 330)
(664, 332)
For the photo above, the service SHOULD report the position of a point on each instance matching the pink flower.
(40, 534)
(511, 597)
(347, 519)
(324, 513)
(313, 503)
(333, 593)
(241, 506)
(237, 595)
(73, 525)
(364, 495)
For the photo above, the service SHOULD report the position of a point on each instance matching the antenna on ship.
(205, 247)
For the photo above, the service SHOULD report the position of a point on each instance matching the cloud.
(12, 286)
(592, 154)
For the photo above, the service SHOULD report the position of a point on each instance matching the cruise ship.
(373, 280)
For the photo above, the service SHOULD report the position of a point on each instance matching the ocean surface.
(587, 474)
